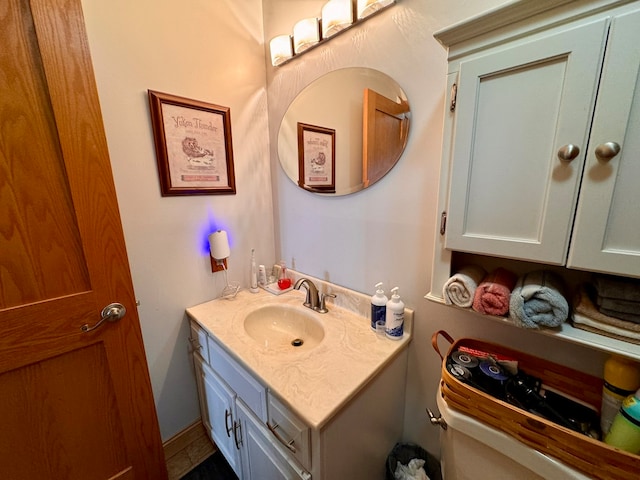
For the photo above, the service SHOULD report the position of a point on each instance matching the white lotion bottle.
(378, 306)
(253, 276)
(394, 325)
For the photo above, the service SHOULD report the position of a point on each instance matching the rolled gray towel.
(538, 300)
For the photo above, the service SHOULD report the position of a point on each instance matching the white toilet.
(473, 450)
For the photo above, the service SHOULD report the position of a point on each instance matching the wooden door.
(385, 127)
(606, 236)
(510, 194)
(73, 404)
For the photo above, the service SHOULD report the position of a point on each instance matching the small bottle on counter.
(284, 281)
(394, 321)
(621, 379)
(262, 276)
(253, 274)
(378, 306)
(625, 429)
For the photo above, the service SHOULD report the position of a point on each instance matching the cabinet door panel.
(606, 234)
(220, 405)
(510, 194)
(262, 459)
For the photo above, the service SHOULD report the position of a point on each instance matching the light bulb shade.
(367, 7)
(306, 33)
(281, 49)
(219, 245)
(336, 15)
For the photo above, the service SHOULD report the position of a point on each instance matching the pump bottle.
(394, 324)
(378, 306)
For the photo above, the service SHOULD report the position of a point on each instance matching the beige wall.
(385, 233)
(210, 51)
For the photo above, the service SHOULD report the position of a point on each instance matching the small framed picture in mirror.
(316, 158)
(193, 146)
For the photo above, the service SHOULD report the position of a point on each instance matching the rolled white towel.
(460, 288)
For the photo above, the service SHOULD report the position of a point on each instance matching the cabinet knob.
(568, 152)
(606, 151)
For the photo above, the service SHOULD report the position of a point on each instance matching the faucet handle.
(322, 308)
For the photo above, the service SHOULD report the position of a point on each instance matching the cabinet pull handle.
(606, 151)
(568, 152)
(288, 444)
(454, 97)
(227, 416)
(236, 427)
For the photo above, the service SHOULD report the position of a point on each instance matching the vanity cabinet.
(269, 427)
(233, 407)
(544, 135)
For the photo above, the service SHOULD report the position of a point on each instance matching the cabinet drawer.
(290, 431)
(198, 341)
(252, 393)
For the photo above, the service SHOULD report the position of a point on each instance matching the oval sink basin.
(284, 327)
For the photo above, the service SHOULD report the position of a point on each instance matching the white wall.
(211, 51)
(385, 233)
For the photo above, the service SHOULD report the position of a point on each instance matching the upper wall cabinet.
(542, 140)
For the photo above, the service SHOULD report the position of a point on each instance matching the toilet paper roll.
(219, 245)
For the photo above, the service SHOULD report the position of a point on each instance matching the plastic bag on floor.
(412, 471)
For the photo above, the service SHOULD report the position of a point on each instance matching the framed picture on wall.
(316, 158)
(193, 146)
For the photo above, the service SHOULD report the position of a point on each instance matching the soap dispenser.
(378, 306)
(394, 324)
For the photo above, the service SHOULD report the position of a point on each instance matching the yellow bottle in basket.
(621, 379)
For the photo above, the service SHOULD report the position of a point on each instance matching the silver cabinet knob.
(606, 151)
(568, 152)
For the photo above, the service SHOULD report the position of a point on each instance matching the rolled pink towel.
(494, 291)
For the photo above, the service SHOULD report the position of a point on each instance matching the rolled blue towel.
(537, 300)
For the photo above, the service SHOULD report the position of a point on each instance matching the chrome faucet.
(312, 299)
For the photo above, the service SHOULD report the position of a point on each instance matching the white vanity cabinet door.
(262, 456)
(510, 195)
(218, 407)
(606, 235)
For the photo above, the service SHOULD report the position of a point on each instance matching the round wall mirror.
(344, 131)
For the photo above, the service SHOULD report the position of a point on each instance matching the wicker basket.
(593, 457)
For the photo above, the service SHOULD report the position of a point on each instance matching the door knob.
(112, 313)
(606, 151)
(568, 152)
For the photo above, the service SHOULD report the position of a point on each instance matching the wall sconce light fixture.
(336, 16)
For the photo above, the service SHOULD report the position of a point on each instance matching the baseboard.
(187, 449)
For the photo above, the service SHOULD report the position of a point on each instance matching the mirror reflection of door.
(385, 126)
(335, 100)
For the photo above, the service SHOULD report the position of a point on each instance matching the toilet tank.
(473, 450)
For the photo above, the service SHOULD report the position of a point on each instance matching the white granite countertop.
(315, 382)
